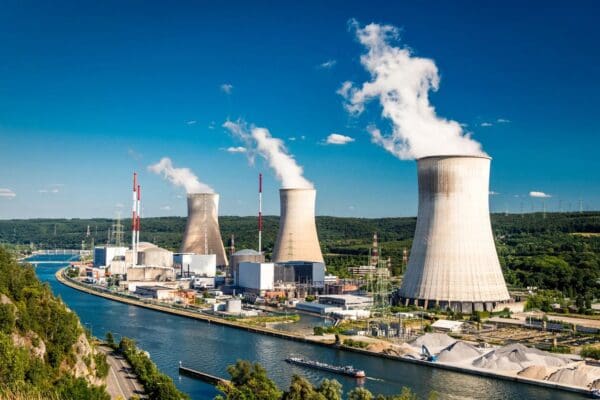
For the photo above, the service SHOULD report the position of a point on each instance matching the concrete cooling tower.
(297, 238)
(453, 262)
(202, 234)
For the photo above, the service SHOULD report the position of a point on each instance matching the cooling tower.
(297, 238)
(202, 234)
(453, 262)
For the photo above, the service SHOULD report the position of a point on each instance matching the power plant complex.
(453, 262)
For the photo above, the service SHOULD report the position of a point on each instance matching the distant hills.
(524, 242)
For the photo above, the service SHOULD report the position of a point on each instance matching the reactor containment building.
(202, 234)
(453, 261)
(297, 238)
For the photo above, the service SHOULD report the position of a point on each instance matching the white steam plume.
(401, 82)
(259, 141)
(183, 177)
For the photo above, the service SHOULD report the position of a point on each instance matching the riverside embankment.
(383, 368)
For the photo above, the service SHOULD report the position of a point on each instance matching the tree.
(331, 389)
(249, 382)
(110, 340)
(360, 393)
(301, 389)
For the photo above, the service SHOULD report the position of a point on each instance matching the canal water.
(211, 348)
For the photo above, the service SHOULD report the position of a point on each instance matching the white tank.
(453, 261)
(202, 234)
(297, 238)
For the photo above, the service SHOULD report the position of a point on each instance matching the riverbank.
(291, 336)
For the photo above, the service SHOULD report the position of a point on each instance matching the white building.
(104, 255)
(256, 276)
(347, 301)
(196, 264)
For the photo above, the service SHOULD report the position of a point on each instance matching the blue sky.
(90, 92)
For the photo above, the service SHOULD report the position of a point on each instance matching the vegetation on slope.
(41, 341)
(158, 385)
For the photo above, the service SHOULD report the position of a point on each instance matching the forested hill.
(555, 251)
(44, 352)
(333, 231)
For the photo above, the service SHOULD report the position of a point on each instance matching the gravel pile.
(435, 342)
(577, 375)
(536, 372)
(458, 351)
(516, 357)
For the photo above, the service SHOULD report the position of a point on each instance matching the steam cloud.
(401, 82)
(541, 195)
(183, 177)
(259, 141)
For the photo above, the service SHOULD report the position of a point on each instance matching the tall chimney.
(453, 261)
(297, 238)
(202, 234)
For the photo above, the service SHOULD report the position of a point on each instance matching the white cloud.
(7, 193)
(227, 88)
(401, 82)
(503, 121)
(303, 137)
(43, 191)
(212, 125)
(54, 190)
(336, 138)
(492, 193)
(166, 208)
(328, 64)
(539, 195)
(292, 139)
(119, 205)
(486, 124)
(238, 149)
(192, 122)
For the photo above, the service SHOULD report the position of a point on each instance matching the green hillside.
(42, 345)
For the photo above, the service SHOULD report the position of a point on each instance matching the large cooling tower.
(453, 262)
(297, 238)
(202, 234)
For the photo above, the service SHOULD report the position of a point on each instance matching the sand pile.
(403, 350)
(458, 351)
(378, 347)
(516, 357)
(579, 374)
(435, 342)
(536, 372)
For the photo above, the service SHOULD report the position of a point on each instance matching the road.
(121, 381)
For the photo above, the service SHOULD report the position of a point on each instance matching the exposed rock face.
(85, 365)
(31, 341)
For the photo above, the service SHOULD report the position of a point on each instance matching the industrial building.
(453, 261)
(155, 292)
(155, 257)
(347, 301)
(256, 277)
(191, 264)
(297, 237)
(245, 255)
(202, 234)
(142, 273)
(104, 255)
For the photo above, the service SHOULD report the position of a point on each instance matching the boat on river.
(342, 370)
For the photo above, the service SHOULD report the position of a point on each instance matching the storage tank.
(202, 234)
(453, 261)
(297, 238)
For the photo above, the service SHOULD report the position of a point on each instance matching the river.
(211, 348)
